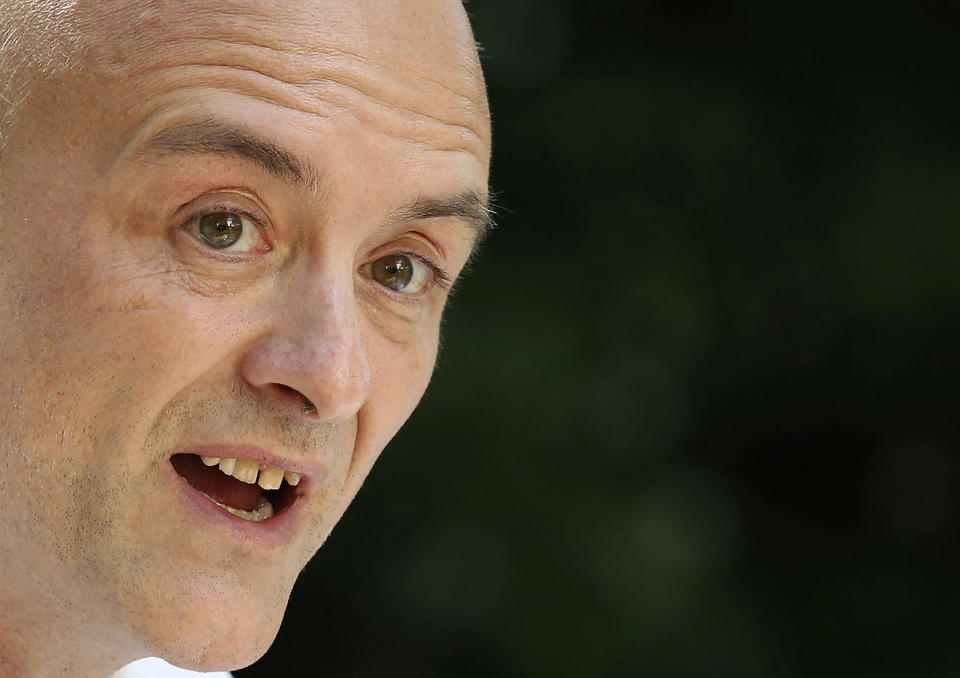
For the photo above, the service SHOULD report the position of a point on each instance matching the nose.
(312, 360)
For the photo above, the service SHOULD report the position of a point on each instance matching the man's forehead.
(361, 24)
(414, 42)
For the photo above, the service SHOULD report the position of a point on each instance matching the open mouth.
(245, 488)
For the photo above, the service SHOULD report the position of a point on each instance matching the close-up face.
(229, 236)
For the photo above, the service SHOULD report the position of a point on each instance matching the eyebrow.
(214, 137)
(469, 207)
(210, 136)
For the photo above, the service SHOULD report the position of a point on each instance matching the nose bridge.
(315, 348)
(331, 337)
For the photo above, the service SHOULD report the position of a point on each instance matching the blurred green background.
(694, 413)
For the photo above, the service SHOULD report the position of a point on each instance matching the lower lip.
(269, 534)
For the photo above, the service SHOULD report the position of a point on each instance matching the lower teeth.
(262, 510)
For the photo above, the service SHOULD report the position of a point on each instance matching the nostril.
(304, 403)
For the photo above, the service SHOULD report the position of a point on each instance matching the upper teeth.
(249, 471)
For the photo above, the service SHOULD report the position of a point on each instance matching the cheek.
(104, 340)
(405, 376)
(399, 377)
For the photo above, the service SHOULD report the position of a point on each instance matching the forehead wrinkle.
(362, 37)
(341, 59)
(328, 99)
(326, 72)
(347, 68)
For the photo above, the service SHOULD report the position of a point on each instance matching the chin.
(219, 630)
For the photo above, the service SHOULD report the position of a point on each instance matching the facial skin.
(127, 338)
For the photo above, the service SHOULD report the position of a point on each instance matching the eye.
(227, 230)
(401, 273)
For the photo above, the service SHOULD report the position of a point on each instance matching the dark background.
(694, 414)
